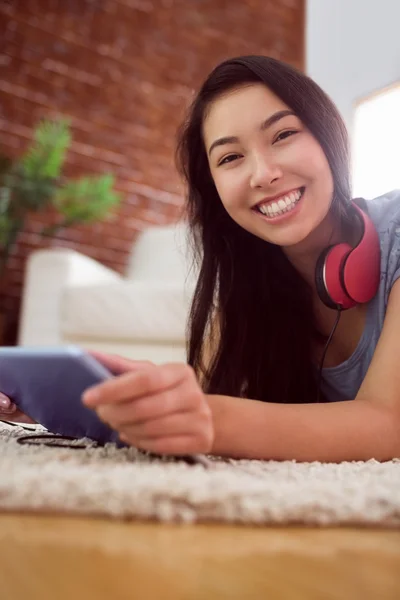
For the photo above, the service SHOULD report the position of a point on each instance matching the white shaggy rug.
(128, 484)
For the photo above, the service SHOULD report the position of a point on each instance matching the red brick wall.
(123, 71)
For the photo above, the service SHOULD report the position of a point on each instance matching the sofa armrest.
(48, 273)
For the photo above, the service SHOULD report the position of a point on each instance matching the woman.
(265, 157)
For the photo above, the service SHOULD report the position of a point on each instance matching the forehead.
(239, 109)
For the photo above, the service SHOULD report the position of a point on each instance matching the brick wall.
(123, 71)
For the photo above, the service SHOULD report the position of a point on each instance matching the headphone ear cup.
(361, 272)
(329, 277)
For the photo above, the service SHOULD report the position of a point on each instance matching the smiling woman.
(264, 153)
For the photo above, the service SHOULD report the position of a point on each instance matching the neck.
(304, 255)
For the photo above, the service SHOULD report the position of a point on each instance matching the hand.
(159, 408)
(9, 411)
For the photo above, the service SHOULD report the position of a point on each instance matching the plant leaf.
(86, 199)
(45, 157)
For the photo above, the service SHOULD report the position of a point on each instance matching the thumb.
(9, 411)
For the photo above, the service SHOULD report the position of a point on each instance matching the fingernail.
(4, 401)
(6, 406)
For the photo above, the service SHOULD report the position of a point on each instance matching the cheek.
(231, 190)
(315, 164)
(320, 167)
(325, 179)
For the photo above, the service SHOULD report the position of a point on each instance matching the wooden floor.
(45, 557)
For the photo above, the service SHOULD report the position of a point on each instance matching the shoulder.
(385, 212)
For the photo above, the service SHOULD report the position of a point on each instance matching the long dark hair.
(262, 305)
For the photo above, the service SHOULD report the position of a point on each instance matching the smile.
(277, 208)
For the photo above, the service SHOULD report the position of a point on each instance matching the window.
(376, 144)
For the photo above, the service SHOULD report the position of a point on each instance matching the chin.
(287, 238)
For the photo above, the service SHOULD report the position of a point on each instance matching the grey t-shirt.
(343, 381)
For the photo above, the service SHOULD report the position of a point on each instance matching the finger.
(17, 417)
(6, 405)
(118, 364)
(131, 386)
(180, 399)
(10, 412)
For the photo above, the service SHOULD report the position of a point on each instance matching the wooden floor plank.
(71, 558)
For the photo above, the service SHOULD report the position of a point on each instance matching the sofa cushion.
(161, 254)
(126, 310)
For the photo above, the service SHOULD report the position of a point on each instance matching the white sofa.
(69, 298)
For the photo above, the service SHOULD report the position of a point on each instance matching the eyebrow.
(264, 125)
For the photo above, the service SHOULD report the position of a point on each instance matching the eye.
(285, 134)
(228, 159)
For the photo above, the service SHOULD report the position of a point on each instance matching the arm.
(364, 428)
(330, 432)
(163, 409)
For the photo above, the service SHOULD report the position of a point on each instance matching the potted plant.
(34, 182)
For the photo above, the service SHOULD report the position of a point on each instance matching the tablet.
(47, 384)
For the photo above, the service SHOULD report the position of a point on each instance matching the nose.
(264, 171)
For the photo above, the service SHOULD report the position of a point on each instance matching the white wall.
(352, 48)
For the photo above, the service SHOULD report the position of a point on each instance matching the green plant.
(34, 183)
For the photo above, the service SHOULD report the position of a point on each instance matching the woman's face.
(271, 174)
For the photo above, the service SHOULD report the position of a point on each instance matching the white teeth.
(263, 209)
(283, 205)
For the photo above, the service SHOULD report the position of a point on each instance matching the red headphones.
(347, 276)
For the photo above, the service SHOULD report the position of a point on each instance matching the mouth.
(273, 209)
